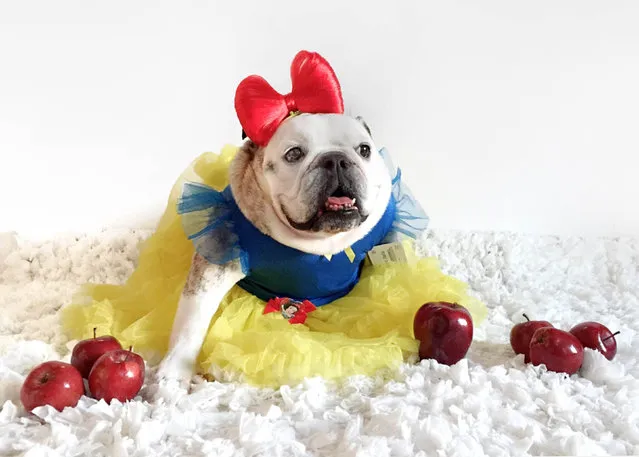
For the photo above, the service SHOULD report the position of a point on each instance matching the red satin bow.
(315, 89)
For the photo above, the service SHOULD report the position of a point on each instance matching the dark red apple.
(86, 352)
(52, 383)
(117, 374)
(596, 336)
(521, 334)
(559, 350)
(445, 331)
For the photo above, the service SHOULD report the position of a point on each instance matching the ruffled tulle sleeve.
(207, 219)
(410, 219)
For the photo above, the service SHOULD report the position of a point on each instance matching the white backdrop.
(504, 115)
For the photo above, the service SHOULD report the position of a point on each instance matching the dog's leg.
(205, 287)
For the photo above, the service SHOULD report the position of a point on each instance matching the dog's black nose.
(335, 161)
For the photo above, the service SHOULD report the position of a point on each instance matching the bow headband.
(315, 89)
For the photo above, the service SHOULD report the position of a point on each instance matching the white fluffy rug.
(490, 404)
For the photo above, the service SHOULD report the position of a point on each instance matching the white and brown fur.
(262, 183)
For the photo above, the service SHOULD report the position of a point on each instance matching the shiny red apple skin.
(521, 334)
(596, 336)
(86, 352)
(445, 332)
(53, 383)
(117, 374)
(559, 350)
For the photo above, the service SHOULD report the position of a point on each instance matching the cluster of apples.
(111, 371)
(561, 351)
(444, 331)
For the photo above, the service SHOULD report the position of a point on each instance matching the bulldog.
(317, 185)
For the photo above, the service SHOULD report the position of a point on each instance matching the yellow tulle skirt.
(369, 330)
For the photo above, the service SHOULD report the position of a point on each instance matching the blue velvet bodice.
(275, 270)
(221, 233)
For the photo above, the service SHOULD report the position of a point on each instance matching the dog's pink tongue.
(339, 201)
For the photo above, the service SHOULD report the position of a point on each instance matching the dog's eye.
(294, 155)
(365, 150)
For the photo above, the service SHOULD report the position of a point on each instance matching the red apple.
(594, 335)
(117, 374)
(52, 383)
(559, 350)
(86, 352)
(521, 334)
(445, 331)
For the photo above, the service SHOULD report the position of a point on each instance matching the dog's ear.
(243, 134)
(363, 122)
(249, 148)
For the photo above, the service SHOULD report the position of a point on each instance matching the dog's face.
(324, 180)
(323, 173)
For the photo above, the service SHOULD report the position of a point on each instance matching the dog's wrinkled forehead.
(319, 133)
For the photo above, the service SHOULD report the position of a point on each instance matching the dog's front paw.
(171, 382)
(168, 391)
(168, 374)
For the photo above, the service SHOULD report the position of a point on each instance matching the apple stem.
(614, 334)
(524, 314)
(94, 330)
(127, 354)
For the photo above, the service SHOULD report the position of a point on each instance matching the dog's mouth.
(339, 201)
(338, 213)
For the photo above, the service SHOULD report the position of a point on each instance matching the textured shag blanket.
(490, 403)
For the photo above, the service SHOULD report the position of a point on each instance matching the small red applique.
(293, 311)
